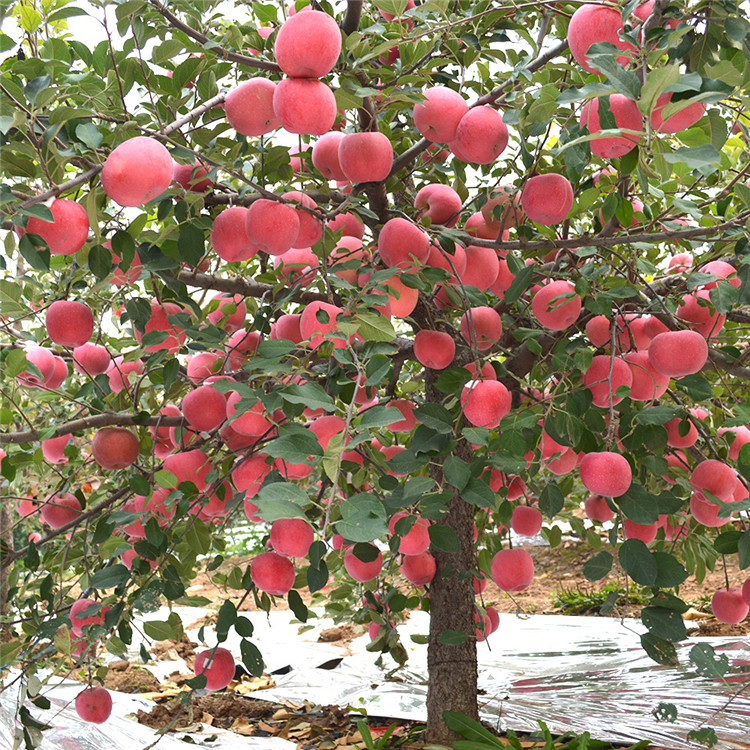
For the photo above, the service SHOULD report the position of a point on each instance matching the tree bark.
(452, 669)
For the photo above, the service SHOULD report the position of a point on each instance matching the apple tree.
(393, 278)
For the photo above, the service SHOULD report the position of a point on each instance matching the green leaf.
(551, 500)
(660, 650)
(89, 134)
(707, 663)
(100, 261)
(520, 284)
(664, 623)
(471, 729)
(657, 81)
(670, 572)
(435, 416)
(36, 257)
(295, 444)
(638, 505)
(311, 395)
(477, 492)
(598, 566)
(373, 326)
(16, 363)
(226, 619)
(110, 577)
(656, 415)
(297, 606)
(456, 472)
(280, 500)
(444, 539)
(743, 547)
(252, 659)
(160, 630)
(696, 386)
(453, 637)
(694, 158)
(363, 518)
(191, 244)
(638, 562)
(624, 81)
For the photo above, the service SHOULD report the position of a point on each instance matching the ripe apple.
(438, 116)
(69, 323)
(556, 305)
(59, 510)
(67, 232)
(308, 45)
(485, 403)
(137, 171)
(304, 106)
(627, 117)
(678, 353)
(512, 569)
(94, 704)
(272, 227)
(591, 24)
(547, 198)
(481, 136)
(217, 664)
(365, 157)
(606, 473)
(229, 237)
(249, 107)
(115, 447)
(272, 573)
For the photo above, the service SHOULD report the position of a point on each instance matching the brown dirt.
(169, 650)
(217, 709)
(345, 633)
(127, 677)
(716, 628)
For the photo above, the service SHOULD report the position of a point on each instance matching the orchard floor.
(310, 723)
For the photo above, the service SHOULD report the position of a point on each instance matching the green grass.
(580, 602)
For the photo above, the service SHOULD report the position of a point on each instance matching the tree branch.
(353, 14)
(106, 419)
(252, 62)
(103, 505)
(533, 66)
(244, 287)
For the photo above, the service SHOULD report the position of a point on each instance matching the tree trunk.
(452, 669)
(6, 552)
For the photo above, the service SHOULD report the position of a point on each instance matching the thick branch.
(716, 360)
(599, 241)
(107, 419)
(244, 287)
(197, 112)
(252, 62)
(353, 14)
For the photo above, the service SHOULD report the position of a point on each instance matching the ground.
(559, 587)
